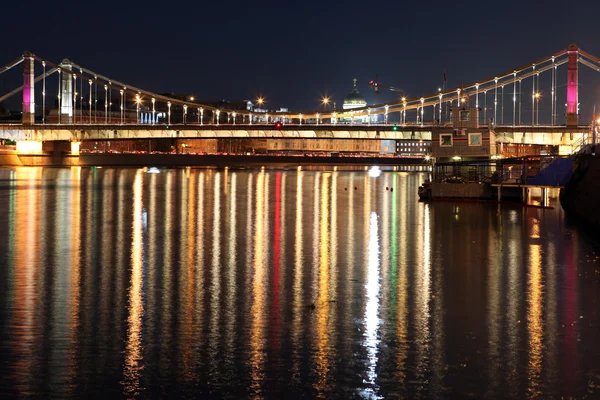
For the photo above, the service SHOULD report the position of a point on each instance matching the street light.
(121, 92)
(138, 102)
(386, 113)
(325, 101)
(260, 101)
(153, 109)
(75, 105)
(537, 107)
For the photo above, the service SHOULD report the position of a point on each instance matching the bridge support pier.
(572, 92)
(28, 90)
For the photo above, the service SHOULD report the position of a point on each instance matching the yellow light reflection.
(231, 297)
(535, 325)
(107, 278)
(75, 270)
(133, 349)
(322, 305)
(166, 272)
(402, 287)
(422, 294)
(199, 265)
(215, 274)
(513, 298)
(298, 274)
(154, 265)
(257, 353)
(26, 295)
(187, 274)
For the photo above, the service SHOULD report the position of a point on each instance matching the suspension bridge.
(87, 105)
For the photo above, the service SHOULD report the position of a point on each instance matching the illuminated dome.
(354, 99)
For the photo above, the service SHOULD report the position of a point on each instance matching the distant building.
(354, 100)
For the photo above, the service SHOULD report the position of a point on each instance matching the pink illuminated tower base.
(28, 90)
(572, 91)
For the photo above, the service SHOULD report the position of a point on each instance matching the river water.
(284, 283)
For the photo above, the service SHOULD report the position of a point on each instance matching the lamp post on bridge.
(110, 101)
(233, 115)
(218, 113)
(386, 114)
(75, 106)
(124, 104)
(300, 119)
(199, 123)
(185, 113)
(153, 110)
(515, 95)
(422, 110)
(485, 106)
(169, 113)
(404, 110)
(537, 108)
(137, 107)
(369, 116)
(90, 116)
(440, 110)
(477, 96)
(75, 97)
(105, 104)
(121, 92)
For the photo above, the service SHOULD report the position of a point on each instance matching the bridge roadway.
(550, 135)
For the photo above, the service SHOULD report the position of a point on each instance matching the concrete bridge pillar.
(66, 95)
(28, 90)
(572, 92)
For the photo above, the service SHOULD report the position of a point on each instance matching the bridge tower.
(28, 89)
(66, 92)
(572, 91)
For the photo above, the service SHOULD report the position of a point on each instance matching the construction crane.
(376, 86)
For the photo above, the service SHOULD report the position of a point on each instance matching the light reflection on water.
(274, 283)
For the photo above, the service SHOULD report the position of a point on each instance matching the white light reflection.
(374, 172)
(372, 309)
(133, 351)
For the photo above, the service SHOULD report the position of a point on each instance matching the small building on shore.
(464, 139)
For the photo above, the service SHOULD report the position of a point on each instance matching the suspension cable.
(10, 65)
(20, 88)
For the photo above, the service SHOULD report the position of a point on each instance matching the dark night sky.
(295, 52)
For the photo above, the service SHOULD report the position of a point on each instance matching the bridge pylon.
(28, 89)
(66, 92)
(572, 90)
